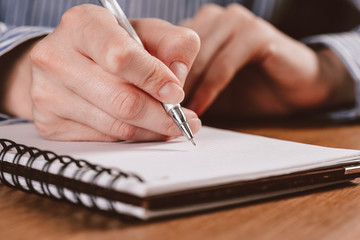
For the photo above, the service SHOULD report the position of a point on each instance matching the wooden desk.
(328, 214)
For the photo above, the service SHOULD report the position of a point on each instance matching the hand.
(269, 73)
(92, 81)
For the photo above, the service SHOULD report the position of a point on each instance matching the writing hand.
(92, 81)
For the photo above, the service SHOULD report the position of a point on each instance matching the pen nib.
(192, 141)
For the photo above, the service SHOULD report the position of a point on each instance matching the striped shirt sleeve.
(12, 36)
(347, 47)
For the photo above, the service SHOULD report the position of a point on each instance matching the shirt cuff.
(12, 36)
(347, 47)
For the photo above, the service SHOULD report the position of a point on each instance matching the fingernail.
(171, 93)
(180, 70)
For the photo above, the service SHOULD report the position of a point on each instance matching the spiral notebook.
(149, 180)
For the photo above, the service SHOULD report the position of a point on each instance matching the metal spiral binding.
(82, 167)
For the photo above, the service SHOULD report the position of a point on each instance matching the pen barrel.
(178, 116)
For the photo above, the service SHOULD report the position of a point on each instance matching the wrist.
(334, 74)
(15, 81)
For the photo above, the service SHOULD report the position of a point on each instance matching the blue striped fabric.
(12, 36)
(6, 120)
(21, 20)
(43, 13)
(48, 13)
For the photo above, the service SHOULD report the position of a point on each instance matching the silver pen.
(174, 110)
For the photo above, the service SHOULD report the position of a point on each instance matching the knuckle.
(237, 8)
(190, 35)
(182, 45)
(122, 130)
(38, 94)
(44, 56)
(127, 105)
(46, 123)
(75, 13)
(190, 39)
(153, 79)
(240, 12)
(263, 29)
(117, 58)
(258, 24)
(45, 129)
(210, 8)
(71, 16)
(270, 50)
(79, 20)
(39, 55)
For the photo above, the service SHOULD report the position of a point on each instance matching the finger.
(225, 23)
(50, 126)
(222, 70)
(186, 22)
(103, 122)
(117, 98)
(67, 130)
(205, 24)
(55, 127)
(99, 37)
(244, 45)
(54, 106)
(173, 45)
(204, 19)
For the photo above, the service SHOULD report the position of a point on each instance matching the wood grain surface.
(332, 213)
